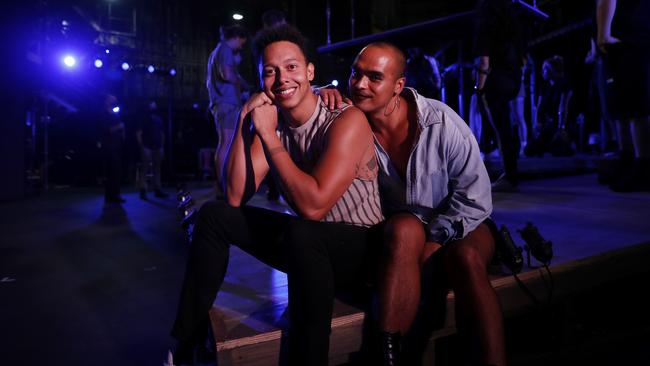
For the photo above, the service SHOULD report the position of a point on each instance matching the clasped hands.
(263, 113)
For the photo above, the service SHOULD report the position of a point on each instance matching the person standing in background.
(500, 46)
(151, 139)
(624, 40)
(112, 144)
(225, 86)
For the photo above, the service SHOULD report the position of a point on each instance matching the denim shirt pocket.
(432, 188)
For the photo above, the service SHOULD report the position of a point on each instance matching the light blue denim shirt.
(447, 185)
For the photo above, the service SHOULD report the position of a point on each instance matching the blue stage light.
(69, 61)
(172, 72)
(99, 63)
(151, 69)
(116, 109)
(335, 82)
(107, 51)
(125, 66)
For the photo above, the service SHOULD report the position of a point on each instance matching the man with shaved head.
(436, 193)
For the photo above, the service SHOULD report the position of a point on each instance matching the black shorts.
(627, 81)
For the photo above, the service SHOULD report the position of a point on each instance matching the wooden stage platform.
(597, 236)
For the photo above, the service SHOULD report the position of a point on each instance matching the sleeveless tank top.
(360, 204)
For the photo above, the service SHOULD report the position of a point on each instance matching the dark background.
(179, 35)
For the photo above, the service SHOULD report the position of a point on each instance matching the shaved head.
(377, 78)
(394, 53)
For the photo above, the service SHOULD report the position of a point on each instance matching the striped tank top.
(360, 204)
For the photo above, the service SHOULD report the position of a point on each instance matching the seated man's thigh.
(257, 231)
(345, 248)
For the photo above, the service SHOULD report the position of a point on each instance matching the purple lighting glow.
(69, 61)
(125, 66)
(151, 69)
(99, 63)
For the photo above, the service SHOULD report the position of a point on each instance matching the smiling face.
(375, 79)
(286, 74)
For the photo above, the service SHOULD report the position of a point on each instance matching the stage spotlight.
(107, 51)
(335, 82)
(99, 63)
(116, 109)
(69, 61)
(151, 69)
(237, 16)
(172, 72)
(125, 66)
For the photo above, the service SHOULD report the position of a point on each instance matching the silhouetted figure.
(422, 73)
(225, 86)
(112, 145)
(151, 140)
(624, 38)
(500, 46)
(550, 132)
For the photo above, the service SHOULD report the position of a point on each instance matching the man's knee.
(211, 218)
(471, 253)
(404, 237)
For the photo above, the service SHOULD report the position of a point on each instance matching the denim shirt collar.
(426, 116)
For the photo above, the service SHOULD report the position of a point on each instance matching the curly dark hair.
(284, 32)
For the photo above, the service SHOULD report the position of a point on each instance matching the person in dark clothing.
(151, 140)
(624, 40)
(225, 86)
(324, 162)
(500, 46)
(421, 74)
(550, 133)
(112, 144)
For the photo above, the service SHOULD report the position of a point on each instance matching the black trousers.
(494, 105)
(113, 169)
(320, 259)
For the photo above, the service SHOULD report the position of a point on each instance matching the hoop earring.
(395, 106)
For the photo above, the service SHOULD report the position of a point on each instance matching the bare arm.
(314, 193)
(483, 71)
(563, 110)
(538, 121)
(230, 74)
(246, 164)
(437, 80)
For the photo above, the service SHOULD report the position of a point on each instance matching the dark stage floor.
(86, 284)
